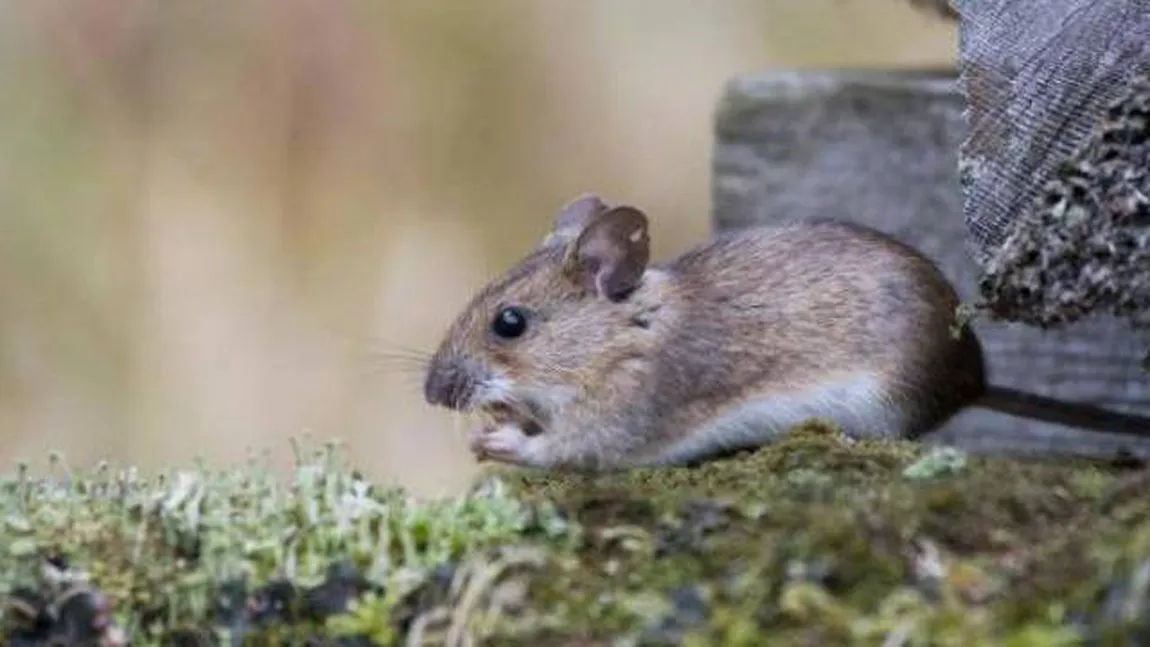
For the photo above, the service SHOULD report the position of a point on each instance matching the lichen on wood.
(1054, 165)
(1084, 246)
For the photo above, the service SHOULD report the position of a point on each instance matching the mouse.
(586, 356)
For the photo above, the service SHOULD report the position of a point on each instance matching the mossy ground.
(817, 540)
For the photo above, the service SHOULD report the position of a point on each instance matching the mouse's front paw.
(505, 443)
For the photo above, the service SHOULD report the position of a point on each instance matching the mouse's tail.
(1029, 405)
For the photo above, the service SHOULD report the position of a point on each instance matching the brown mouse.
(584, 356)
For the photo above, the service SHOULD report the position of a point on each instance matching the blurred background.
(217, 219)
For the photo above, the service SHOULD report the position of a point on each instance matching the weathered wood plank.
(1037, 77)
(881, 148)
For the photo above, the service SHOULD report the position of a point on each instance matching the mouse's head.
(538, 336)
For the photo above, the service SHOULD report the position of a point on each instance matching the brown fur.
(766, 312)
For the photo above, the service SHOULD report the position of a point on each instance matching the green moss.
(817, 539)
(820, 540)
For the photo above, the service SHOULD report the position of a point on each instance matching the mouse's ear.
(611, 254)
(573, 218)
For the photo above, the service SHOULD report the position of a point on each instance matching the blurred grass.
(210, 215)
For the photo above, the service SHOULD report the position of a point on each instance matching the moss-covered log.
(816, 540)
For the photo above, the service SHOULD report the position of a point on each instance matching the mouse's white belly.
(861, 405)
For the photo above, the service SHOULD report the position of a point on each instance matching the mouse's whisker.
(380, 346)
(372, 362)
(371, 344)
(400, 362)
(401, 356)
(374, 369)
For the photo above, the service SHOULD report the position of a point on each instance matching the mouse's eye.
(511, 322)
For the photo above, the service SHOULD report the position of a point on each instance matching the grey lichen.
(169, 550)
(1084, 248)
(938, 462)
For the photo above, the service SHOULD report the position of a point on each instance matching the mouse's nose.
(448, 384)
